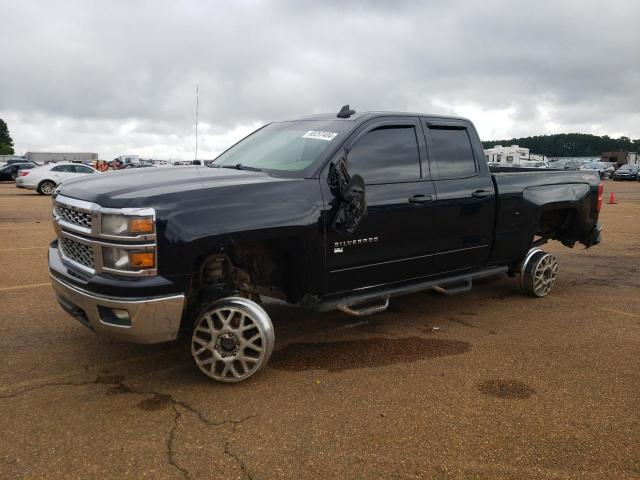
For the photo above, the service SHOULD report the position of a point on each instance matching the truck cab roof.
(360, 117)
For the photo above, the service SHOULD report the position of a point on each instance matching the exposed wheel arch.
(273, 268)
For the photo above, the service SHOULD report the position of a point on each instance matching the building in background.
(620, 158)
(5, 158)
(512, 154)
(47, 157)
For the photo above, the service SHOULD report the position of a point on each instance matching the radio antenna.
(196, 154)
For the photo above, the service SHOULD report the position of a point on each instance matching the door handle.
(420, 199)
(481, 194)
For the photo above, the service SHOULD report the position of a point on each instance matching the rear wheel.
(46, 187)
(539, 274)
(232, 339)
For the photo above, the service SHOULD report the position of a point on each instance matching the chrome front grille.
(77, 252)
(73, 216)
(83, 245)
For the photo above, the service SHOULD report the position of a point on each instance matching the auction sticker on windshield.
(328, 136)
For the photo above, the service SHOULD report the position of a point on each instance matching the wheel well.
(270, 267)
(552, 223)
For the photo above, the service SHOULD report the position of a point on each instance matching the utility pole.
(196, 154)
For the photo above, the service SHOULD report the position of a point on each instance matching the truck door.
(465, 196)
(394, 240)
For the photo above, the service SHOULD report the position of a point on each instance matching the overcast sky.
(120, 77)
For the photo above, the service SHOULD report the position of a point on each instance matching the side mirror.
(354, 190)
(338, 177)
(351, 193)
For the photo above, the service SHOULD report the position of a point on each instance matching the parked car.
(325, 212)
(627, 172)
(46, 178)
(10, 171)
(16, 160)
(127, 166)
(605, 170)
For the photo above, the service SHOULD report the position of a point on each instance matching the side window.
(82, 169)
(386, 154)
(63, 168)
(453, 152)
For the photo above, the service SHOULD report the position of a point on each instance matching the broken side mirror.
(338, 177)
(350, 190)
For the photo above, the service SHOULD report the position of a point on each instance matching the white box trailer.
(46, 157)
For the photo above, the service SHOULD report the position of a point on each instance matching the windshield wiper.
(238, 166)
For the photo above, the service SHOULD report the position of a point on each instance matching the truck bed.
(550, 204)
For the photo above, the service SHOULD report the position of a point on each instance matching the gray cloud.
(119, 77)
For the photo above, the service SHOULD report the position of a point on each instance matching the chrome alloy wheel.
(539, 274)
(232, 339)
(47, 187)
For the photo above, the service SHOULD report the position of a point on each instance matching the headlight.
(124, 225)
(128, 260)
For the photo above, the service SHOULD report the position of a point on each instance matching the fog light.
(115, 316)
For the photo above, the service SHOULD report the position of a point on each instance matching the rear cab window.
(451, 147)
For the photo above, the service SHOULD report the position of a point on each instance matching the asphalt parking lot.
(487, 384)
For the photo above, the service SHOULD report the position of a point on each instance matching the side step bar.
(380, 297)
(353, 309)
(453, 288)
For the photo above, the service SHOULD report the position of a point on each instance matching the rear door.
(62, 172)
(394, 240)
(465, 195)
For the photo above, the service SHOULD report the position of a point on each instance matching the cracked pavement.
(487, 384)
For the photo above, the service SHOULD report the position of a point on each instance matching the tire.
(539, 274)
(46, 187)
(232, 339)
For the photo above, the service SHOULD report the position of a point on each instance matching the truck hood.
(153, 186)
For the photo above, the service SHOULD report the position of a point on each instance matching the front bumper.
(150, 319)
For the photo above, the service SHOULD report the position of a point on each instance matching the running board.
(455, 287)
(461, 282)
(352, 309)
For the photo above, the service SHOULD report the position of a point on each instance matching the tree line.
(558, 145)
(6, 142)
(570, 144)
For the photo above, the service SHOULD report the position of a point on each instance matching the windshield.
(286, 146)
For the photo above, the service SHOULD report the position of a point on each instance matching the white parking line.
(22, 248)
(24, 228)
(20, 287)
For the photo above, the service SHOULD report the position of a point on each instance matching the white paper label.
(318, 135)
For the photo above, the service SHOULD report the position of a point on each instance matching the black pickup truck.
(326, 212)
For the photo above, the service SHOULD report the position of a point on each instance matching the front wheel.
(232, 339)
(539, 274)
(46, 187)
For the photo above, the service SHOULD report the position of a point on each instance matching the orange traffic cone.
(612, 199)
